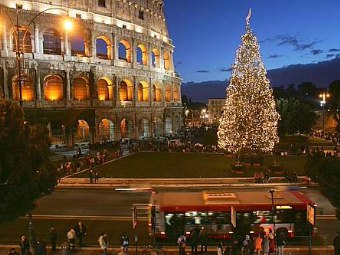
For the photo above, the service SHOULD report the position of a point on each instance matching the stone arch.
(124, 50)
(157, 126)
(166, 58)
(168, 126)
(53, 88)
(155, 59)
(125, 90)
(103, 47)
(52, 42)
(105, 89)
(56, 132)
(81, 43)
(157, 92)
(176, 93)
(27, 88)
(25, 44)
(167, 93)
(82, 132)
(81, 89)
(126, 128)
(143, 128)
(143, 91)
(106, 130)
(142, 54)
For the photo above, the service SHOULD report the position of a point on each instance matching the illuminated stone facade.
(111, 76)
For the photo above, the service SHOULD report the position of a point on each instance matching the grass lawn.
(10, 232)
(186, 165)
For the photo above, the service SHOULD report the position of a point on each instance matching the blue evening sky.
(207, 33)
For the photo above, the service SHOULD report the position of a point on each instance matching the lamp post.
(20, 53)
(323, 97)
(273, 209)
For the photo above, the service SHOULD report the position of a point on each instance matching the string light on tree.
(249, 120)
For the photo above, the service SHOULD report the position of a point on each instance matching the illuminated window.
(166, 58)
(176, 94)
(26, 88)
(81, 90)
(142, 54)
(22, 38)
(53, 88)
(125, 91)
(155, 58)
(124, 51)
(167, 93)
(105, 90)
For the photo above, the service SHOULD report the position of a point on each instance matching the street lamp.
(19, 53)
(271, 191)
(323, 97)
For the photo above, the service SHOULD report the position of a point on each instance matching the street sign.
(311, 214)
(233, 216)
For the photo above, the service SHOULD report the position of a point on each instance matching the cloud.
(275, 56)
(334, 50)
(297, 43)
(316, 52)
(203, 71)
(226, 69)
(330, 55)
(337, 56)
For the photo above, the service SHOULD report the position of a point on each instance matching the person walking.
(219, 248)
(181, 241)
(336, 243)
(53, 238)
(71, 237)
(41, 247)
(203, 240)
(91, 176)
(24, 245)
(80, 230)
(258, 244)
(103, 243)
(280, 243)
(272, 244)
(124, 242)
(265, 243)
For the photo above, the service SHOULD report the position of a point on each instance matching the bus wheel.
(282, 232)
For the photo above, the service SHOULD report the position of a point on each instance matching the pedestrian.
(336, 243)
(194, 234)
(280, 243)
(41, 247)
(258, 244)
(203, 240)
(53, 238)
(272, 242)
(124, 242)
(96, 176)
(91, 176)
(181, 241)
(80, 230)
(219, 248)
(71, 237)
(24, 245)
(103, 243)
(246, 245)
(12, 251)
(265, 243)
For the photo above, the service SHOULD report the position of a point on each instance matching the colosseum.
(91, 70)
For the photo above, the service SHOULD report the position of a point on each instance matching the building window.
(101, 3)
(141, 15)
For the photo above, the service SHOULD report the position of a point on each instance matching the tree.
(307, 90)
(249, 120)
(334, 89)
(25, 168)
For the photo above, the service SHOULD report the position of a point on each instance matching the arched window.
(81, 43)
(176, 93)
(103, 48)
(142, 55)
(166, 58)
(81, 90)
(21, 40)
(157, 93)
(155, 57)
(26, 88)
(124, 51)
(167, 93)
(53, 88)
(105, 90)
(126, 128)
(52, 42)
(83, 131)
(106, 130)
(143, 92)
(125, 91)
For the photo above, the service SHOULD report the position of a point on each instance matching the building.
(107, 75)
(215, 109)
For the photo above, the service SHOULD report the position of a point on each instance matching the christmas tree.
(249, 120)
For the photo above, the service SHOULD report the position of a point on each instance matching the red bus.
(173, 213)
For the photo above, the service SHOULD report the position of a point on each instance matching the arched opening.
(142, 55)
(103, 48)
(157, 92)
(176, 93)
(157, 128)
(125, 90)
(166, 58)
(168, 93)
(105, 89)
(20, 43)
(155, 57)
(83, 132)
(56, 133)
(126, 128)
(168, 126)
(52, 42)
(27, 88)
(106, 130)
(53, 88)
(124, 51)
(81, 43)
(81, 90)
(144, 128)
(143, 92)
